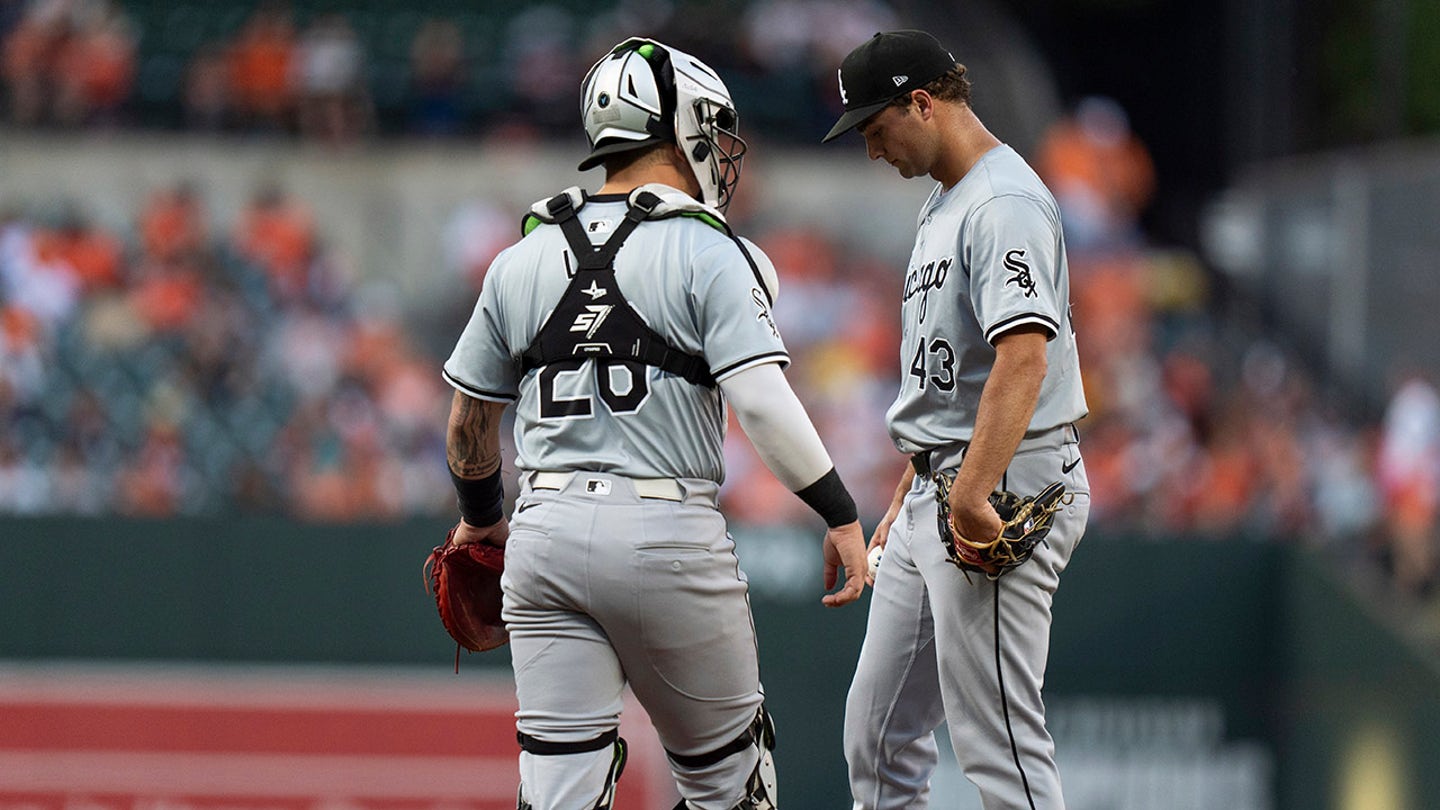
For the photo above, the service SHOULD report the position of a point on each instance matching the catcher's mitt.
(466, 583)
(1027, 519)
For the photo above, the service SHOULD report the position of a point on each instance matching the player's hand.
(882, 529)
(496, 534)
(879, 537)
(882, 533)
(974, 520)
(844, 547)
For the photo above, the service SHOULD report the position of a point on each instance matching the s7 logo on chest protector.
(1020, 272)
(590, 320)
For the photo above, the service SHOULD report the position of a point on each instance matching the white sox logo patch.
(1020, 272)
(764, 310)
(840, 80)
(590, 320)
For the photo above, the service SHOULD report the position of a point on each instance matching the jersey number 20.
(622, 385)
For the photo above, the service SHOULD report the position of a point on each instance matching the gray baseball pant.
(939, 647)
(605, 588)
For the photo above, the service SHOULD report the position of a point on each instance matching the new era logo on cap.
(886, 66)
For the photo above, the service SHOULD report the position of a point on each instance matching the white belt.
(665, 489)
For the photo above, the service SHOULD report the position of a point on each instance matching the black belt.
(921, 462)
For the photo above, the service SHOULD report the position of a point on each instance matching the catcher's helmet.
(643, 93)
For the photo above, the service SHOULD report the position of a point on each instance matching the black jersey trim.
(477, 393)
(782, 358)
(1023, 318)
(724, 227)
(754, 268)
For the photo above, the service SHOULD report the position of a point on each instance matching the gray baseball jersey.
(988, 257)
(688, 280)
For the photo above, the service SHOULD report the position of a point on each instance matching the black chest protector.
(593, 319)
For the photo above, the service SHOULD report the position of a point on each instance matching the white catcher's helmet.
(644, 93)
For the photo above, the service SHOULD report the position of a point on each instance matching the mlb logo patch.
(597, 486)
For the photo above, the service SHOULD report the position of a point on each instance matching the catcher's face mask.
(643, 93)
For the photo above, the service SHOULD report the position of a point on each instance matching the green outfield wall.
(1190, 673)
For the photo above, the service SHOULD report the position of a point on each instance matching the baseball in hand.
(875, 555)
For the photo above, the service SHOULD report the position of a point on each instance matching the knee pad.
(611, 739)
(760, 787)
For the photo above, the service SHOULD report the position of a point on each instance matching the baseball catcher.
(1026, 520)
(623, 326)
(465, 581)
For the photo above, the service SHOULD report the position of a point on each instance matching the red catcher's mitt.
(466, 583)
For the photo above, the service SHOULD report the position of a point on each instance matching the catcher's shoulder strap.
(539, 213)
(593, 320)
(673, 203)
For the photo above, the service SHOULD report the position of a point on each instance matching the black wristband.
(481, 500)
(829, 498)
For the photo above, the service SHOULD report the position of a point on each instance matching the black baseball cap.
(887, 66)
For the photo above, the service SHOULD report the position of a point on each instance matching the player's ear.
(924, 103)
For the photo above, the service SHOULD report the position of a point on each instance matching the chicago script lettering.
(922, 280)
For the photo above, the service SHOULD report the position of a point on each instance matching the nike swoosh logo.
(523, 507)
(1066, 468)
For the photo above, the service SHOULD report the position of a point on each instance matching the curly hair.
(950, 86)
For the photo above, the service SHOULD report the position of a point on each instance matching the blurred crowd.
(182, 365)
(335, 73)
(66, 63)
(174, 369)
(1202, 424)
(77, 63)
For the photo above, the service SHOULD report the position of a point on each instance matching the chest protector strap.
(593, 319)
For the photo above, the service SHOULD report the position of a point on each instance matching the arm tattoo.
(472, 446)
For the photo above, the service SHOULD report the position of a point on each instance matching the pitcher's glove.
(465, 581)
(1027, 519)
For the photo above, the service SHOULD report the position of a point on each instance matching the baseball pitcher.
(995, 497)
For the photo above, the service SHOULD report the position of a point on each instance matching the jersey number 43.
(934, 362)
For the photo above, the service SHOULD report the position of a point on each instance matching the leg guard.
(611, 739)
(760, 788)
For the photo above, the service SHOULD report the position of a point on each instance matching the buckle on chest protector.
(638, 209)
